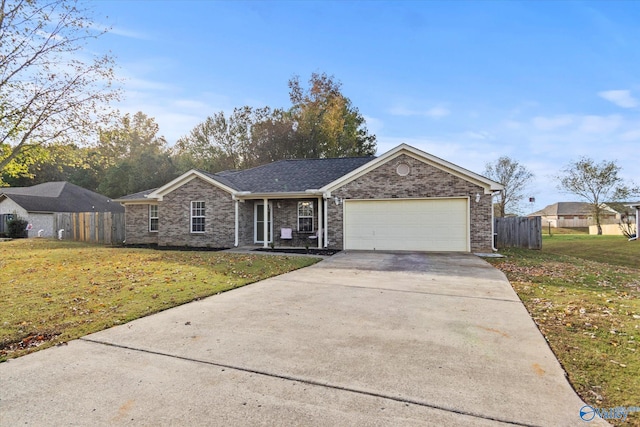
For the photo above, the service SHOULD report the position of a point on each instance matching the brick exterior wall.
(136, 227)
(423, 181)
(174, 213)
(286, 216)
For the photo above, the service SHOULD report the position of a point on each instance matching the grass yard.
(53, 291)
(583, 292)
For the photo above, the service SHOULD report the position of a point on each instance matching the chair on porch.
(286, 234)
(313, 237)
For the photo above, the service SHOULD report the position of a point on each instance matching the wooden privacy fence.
(519, 232)
(95, 227)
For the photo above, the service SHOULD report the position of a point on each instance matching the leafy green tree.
(595, 183)
(514, 177)
(55, 162)
(135, 157)
(48, 92)
(218, 143)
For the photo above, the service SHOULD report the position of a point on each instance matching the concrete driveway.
(358, 339)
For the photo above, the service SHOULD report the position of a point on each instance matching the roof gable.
(183, 179)
(59, 197)
(422, 156)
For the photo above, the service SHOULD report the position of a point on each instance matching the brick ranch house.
(405, 199)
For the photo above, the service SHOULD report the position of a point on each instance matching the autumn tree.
(325, 121)
(595, 183)
(320, 123)
(514, 177)
(49, 91)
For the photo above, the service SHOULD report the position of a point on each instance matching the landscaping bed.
(175, 248)
(300, 251)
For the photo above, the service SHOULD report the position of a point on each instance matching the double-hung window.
(153, 218)
(305, 217)
(197, 217)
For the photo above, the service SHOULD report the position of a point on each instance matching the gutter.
(493, 222)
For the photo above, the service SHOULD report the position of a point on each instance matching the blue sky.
(543, 82)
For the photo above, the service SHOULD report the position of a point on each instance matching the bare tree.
(595, 183)
(51, 89)
(514, 177)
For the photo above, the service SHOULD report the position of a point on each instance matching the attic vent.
(403, 169)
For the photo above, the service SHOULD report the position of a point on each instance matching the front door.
(258, 228)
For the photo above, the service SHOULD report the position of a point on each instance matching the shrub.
(17, 228)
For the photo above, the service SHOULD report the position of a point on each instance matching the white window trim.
(313, 222)
(157, 217)
(199, 216)
(256, 238)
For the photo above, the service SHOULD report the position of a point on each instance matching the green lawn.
(616, 250)
(53, 291)
(583, 292)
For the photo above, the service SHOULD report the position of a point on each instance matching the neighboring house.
(405, 199)
(575, 214)
(38, 204)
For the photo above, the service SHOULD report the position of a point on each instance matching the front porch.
(290, 222)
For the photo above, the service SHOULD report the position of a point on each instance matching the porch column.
(326, 222)
(320, 239)
(265, 216)
(236, 242)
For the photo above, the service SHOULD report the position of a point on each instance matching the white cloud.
(437, 112)
(551, 123)
(482, 135)
(373, 125)
(600, 124)
(622, 98)
(631, 135)
(433, 113)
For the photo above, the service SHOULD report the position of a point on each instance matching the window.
(197, 217)
(305, 217)
(153, 218)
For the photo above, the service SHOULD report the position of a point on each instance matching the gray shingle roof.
(141, 195)
(565, 209)
(294, 175)
(60, 197)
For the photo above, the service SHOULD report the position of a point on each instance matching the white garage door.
(407, 224)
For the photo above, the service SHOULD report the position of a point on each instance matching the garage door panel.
(409, 224)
